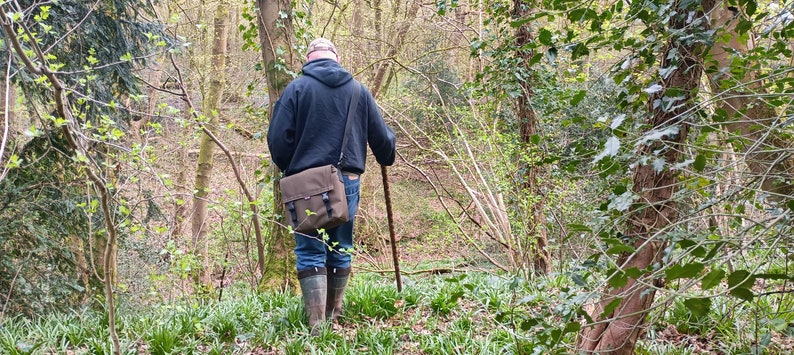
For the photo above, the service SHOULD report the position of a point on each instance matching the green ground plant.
(470, 312)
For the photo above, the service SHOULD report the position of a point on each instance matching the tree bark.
(211, 108)
(616, 329)
(7, 123)
(276, 35)
(748, 116)
(535, 249)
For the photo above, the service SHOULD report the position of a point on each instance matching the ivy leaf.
(657, 134)
(683, 271)
(579, 280)
(653, 89)
(622, 202)
(712, 279)
(579, 50)
(582, 14)
(617, 121)
(578, 97)
(611, 148)
(700, 162)
(698, 306)
(544, 37)
(742, 293)
(740, 279)
(574, 227)
(619, 279)
(551, 54)
(610, 307)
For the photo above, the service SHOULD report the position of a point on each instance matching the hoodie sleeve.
(281, 133)
(380, 137)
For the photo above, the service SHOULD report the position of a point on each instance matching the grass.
(474, 313)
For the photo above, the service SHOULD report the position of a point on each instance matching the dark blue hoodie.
(309, 122)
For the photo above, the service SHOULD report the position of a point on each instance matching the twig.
(11, 288)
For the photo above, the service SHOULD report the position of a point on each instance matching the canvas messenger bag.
(315, 198)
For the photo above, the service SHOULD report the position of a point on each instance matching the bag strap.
(351, 111)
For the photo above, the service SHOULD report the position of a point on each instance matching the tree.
(750, 121)
(90, 54)
(281, 62)
(211, 109)
(537, 253)
(618, 319)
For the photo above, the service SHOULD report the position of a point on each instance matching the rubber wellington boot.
(337, 280)
(314, 286)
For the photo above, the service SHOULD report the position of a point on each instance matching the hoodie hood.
(328, 72)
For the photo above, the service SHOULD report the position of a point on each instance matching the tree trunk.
(276, 35)
(535, 249)
(211, 108)
(747, 115)
(385, 65)
(8, 126)
(616, 329)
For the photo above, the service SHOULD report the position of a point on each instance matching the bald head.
(321, 48)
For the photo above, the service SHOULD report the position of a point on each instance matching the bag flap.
(307, 183)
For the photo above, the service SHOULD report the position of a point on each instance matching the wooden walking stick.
(390, 217)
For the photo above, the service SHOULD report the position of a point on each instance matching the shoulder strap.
(351, 111)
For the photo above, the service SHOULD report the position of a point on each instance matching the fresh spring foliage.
(442, 314)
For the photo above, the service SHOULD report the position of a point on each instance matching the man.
(306, 131)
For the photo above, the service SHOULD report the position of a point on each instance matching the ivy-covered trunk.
(619, 318)
(276, 35)
(535, 252)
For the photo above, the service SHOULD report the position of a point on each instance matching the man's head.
(321, 48)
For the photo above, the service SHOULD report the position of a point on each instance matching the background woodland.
(620, 166)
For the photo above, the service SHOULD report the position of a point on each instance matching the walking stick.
(390, 217)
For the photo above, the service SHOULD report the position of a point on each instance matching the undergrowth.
(462, 313)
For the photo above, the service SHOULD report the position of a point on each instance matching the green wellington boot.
(337, 280)
(314, 286)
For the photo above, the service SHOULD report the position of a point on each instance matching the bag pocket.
(314, 198)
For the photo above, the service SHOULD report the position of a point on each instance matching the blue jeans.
(311, 251)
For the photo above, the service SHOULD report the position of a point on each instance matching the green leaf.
(700, 162)
(582, 14)
(572, 327)
(579, 50)
(574, 227)
(740, 279)
(750, 7)
(619, 279)
(551, 54)
(534, 139)
(684, 271)
(610, 307)
(578, 97)
(619, 249)
(544, 37)
(712, 279)
(579, 280)
(742, 293)
(698, 306)
(520, 22)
